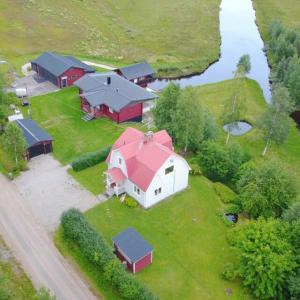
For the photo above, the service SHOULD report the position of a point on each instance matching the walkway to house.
(32, 245)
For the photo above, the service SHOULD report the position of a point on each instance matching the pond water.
(239, 36)
(241, 128)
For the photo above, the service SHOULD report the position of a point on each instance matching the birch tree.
(275, 123)
(234, 107)
(14, 141)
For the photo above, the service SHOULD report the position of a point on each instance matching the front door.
(64, 82)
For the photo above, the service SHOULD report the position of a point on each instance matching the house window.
(110, 110)
(169, 170)
(120, 161)
(157, 191)
(74, 77)
(136, 190)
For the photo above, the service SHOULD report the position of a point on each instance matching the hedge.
(90, 159)
(94, 247)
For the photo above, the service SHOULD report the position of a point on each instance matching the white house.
(145, 167)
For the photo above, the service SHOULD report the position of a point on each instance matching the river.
(239, 36)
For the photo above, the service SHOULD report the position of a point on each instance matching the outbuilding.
(59, 69)
(140, 73)
(133, 250)
(38, 141)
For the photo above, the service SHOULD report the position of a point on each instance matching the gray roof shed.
(33, 133)
(132, 244)
(58, 64)
(137, 70)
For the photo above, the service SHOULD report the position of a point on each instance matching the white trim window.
(110, 110)
(157, 191)
(120, 160)
(137, 190)
(169, 170)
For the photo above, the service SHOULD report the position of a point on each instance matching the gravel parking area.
(49, 190)
(35, 85)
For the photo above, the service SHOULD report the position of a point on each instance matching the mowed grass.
(213, 96)
(180, 35)
(15, 281)
(287, 12)
(189, 240)
(60, 115)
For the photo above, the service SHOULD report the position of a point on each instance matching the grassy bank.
(287, 12)
(118, 31)
(13, 279)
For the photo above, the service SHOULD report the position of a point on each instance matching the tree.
(189, 121)
(210, 129)
(165, 110)
(14, 141)
(220, 163)
(234, 107)
(265, 257)
(292, 213)
(275, 122)
(294, 285)
(292, 80)
(265, 191)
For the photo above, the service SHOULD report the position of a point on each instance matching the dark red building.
(38, 141)
(110, 95)
(140, 73)
(60, 70)
(131, 248)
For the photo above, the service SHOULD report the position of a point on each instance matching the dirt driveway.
(33, 247)
(49, 190)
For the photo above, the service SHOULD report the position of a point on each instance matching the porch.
(115, 182)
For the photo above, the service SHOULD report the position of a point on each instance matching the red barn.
(140, 73)
(131, 248)
(60, 70)
(110, 95)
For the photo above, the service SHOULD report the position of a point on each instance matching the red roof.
(116, 174)
(143, 154)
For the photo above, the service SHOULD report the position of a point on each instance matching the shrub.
(90, 159)
(229, 272)
(130, 202)
(195, 170)
(225, 193)
(94, 247)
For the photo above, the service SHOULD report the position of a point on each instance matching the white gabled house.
(145, 167)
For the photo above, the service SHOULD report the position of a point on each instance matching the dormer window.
(120, 161)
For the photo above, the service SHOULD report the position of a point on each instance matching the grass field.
(286, 11)
(183, 36)
(59, 113)
(189, 239)
(13, 278)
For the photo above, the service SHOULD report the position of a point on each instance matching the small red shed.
(133, 250)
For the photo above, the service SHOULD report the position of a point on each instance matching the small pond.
(239, 36)
(241, 128)
(231, 217)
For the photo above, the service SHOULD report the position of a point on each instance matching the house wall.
(140, 198)
(44, 73)
(131, 112)
(142, 263)
(72, 75)
(122, 258)
(114, 161)
(169, 183)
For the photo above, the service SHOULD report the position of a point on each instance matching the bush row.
(99, 253)
(90, 159)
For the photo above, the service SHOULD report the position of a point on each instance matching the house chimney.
(108, 80)
(148, 137)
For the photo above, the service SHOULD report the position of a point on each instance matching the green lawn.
(180, 35)
(286, 11)
(16, 282)
(91, 178)
(59, 113)
(188, 236)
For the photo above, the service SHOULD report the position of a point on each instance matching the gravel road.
(33, 247)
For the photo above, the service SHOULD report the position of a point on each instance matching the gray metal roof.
(57, 64)
(137, 70)
(132, 244)
(116, 95)
(32, 132)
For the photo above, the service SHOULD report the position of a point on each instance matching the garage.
(37, 139)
